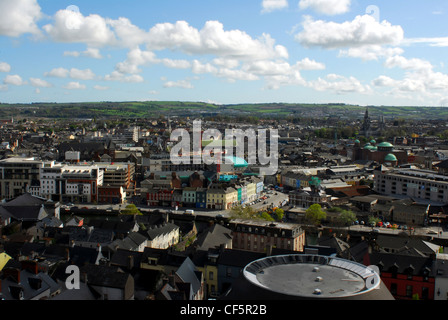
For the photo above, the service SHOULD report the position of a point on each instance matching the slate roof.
(214, 237)
(165, 257)
(105, 276)
(404, 264)
(403, 245)
(188, 273)
(31, 285)
(158, 230)
(24, 208)
(121, 258)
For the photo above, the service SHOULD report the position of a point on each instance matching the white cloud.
(199, 67)
(419, 82)
(36, 82)
(176, 64)
(362, 31)
(408, 64)
(86, 74)
(384, 81)
(135, 58)
(272, 5)
(90, 52)
(226, 63)
(74, 86)
(57, 72)
(127, 34)
(308, 64)
(72, 27)
(184, 84)
(339, 84)
(326, 7)
(19, 17)
(15, 80)
(433, 42)
(118, 76)
(4, 67)
(213, 39)
(371, 52)
(73, 73)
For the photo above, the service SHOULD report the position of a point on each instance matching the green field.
(155, 109)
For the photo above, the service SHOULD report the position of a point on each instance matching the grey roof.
(187, 272)
(25, 200)
(24, 208)
(106, 276)
(82, 294)
(158, 230)
(121, 258)
(401, 245)
(404, 264)
(214, 237)
(31, 286)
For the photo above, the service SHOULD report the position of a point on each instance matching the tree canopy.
(315, 214)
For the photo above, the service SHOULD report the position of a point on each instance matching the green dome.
(390, 157)
(369, 147)
(372, 141)
(385, 145)
(357, 141)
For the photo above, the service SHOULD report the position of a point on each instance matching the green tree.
(266, 216)
(315, 214)
(131, 209)
(373, 220)
(279, 214)
(240, 212)
(347, 217)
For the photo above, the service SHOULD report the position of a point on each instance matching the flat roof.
(312, 276)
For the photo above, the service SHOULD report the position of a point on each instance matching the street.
(274, 199)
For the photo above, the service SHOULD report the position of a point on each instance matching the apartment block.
(424, 185)
(18, 176)
(255, 235)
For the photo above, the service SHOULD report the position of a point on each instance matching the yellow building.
(210, 272)
(251, 191)
(221, 198)
(4, 258)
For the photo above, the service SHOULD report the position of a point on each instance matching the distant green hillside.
(155, 109)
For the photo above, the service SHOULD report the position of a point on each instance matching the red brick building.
(406, 276)
(111, 194)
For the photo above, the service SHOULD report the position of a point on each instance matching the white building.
(70, 183)
(441, 277)
(424, 185)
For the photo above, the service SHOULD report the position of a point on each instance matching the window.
(210, 275)
(409, 290)
(425, 293)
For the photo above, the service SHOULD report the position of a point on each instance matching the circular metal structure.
(311, 277)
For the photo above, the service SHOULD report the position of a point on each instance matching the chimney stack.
(130, 262)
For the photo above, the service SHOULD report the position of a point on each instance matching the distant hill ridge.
(137, 109)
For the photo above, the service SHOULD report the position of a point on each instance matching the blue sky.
(253, 51)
